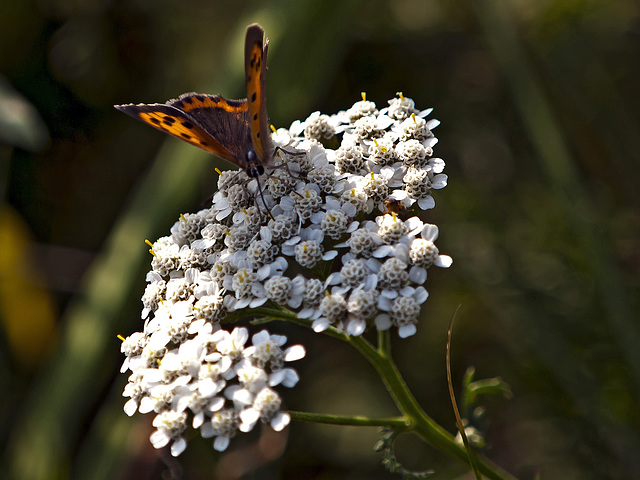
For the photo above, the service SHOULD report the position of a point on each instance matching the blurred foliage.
(539, 108)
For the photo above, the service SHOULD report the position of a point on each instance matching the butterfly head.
(254, 166)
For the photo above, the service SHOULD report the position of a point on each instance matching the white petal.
(406, 331)
(147, 404)
(356, 327)
(296, 128)
(317, 217)
(382, 251)
(330, 255)
(391, 294)
(373, 265)
(430, 232)
(242, 303)
(414, 223)
(383, 322)
(427, 203)
(248, 419)
(295, 302)
(384, 303)
(439, 181)
(198, 419)
(276, 378)
(215, 404)
(263, 272)
(221, 443)
(293, 353)
(444, 261)
(401, 252)
(266, 234)
(209, 387)
(349, 210)
(206, 430)
(418, 275)
(159, 439)
(178, 446)
(130, 407)
(280, 421)
(153, 276)
(319, 325)
(353, 226)
(258, 302)
(243, 396)
(407, 291)
(279, 265)
(370, 282)
(400, 195)
(240, 335)
(291, 378)
(421, 295)
(437, 165)
(260, 337)
(433, 123)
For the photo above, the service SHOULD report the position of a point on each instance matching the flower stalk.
(415, 419)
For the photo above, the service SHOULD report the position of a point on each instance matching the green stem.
(414, 417)
(420, 422)
(399, 423)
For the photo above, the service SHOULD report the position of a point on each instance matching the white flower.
(170, 426)
(267, 408)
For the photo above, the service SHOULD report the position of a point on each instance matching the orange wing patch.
(193, 102)
(184, 130)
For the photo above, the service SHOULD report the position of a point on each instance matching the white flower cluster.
(313, 205)
(182, 368)
(343, 210)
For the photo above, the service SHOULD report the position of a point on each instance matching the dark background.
(540, 131)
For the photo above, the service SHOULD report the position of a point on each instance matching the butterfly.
(236, 130)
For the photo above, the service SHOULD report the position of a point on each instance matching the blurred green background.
(540, 131)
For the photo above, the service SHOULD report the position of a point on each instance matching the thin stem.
(384, 343)
(399, 423)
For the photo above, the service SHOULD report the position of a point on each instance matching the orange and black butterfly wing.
(210, 122)
(256, 68)
(227, 121)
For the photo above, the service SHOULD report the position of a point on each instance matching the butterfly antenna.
(264, 202)
(295, 152)
(284, 164)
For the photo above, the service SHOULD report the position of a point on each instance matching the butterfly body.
(236, 130)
